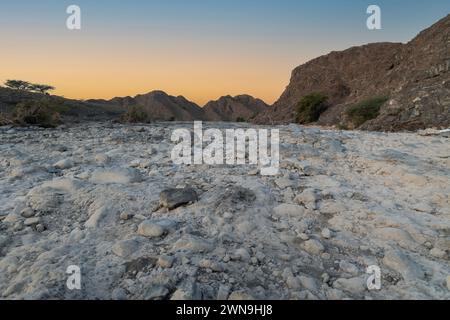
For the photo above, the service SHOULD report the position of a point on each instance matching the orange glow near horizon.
(104, 73)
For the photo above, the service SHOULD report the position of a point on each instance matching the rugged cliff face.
(414, 76)
(239, 108)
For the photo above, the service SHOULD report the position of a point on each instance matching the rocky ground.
(102, 197)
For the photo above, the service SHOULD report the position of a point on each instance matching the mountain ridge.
(225, 108)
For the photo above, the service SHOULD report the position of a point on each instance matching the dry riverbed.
(108, 198)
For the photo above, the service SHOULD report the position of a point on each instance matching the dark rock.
(141, 264)
(174, 198)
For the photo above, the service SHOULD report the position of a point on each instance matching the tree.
(17, 84)
(41, 88)
(27, 86)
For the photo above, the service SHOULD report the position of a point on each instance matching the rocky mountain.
(153, 106)
(158, 105)
(414, 77)
(227, 108)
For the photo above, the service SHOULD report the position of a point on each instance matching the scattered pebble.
(125, 248)
(27, 213)
(165, 261)
(64, 164)
(32, 221)
(126, 216)
(313, 247)
(326, 233)
(438, 253)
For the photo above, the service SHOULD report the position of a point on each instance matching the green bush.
(311, 107)
(135, 114)
(240, 119)
(342, 126)
(40, 112)
(365, 110)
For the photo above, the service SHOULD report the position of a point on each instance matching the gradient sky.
(201, 49)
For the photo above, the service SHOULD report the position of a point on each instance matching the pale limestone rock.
(150, 230)
(401, 263)
(223, 292)
(438, 253)
(27, 213)
(165, 261)
(187, 291)
(241, 254)
(64, 164)
(125, 248)
(308, 198)
(156, 292)
(326, 233)
(119, 176)
(193, 244)
(240, 295)
(308, 283)
(293, 282)
(286, 209)
(98, 215)
(101, 158)
(355, 285)
(313, 247)
(32, 221)
(349, 268)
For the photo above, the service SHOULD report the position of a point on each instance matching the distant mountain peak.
(228, 108)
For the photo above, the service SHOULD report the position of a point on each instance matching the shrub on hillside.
(5, 120)
(135, 114)
(39, 112)
(311, 107)
(365, 110)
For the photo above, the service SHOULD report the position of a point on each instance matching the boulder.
(174, 198)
